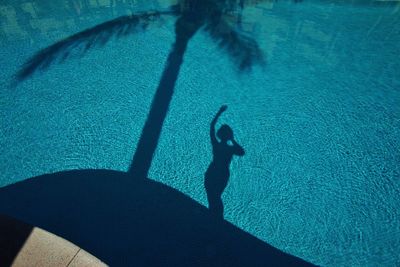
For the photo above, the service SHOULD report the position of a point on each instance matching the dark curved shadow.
(13, 235)
(127, 222)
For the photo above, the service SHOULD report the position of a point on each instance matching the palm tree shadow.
(192, 16)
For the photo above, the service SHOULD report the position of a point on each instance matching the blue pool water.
(319, 117)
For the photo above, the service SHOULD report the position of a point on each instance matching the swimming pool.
(316, 110)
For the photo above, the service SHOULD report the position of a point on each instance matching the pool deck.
(25, 245)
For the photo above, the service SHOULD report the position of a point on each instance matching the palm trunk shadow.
(151, 132)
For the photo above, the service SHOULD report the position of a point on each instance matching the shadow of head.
(225, 133)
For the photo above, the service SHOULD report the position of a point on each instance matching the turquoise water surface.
(313, 96)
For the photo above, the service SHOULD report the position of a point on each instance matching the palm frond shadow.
(96, 36)
(244, 50)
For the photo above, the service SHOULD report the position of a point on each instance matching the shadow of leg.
(215, 204)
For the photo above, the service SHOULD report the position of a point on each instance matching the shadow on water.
(125, 218)
(134, 222)
(217, 174)
(13, 235)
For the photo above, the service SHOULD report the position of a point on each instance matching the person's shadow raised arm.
(213, 138)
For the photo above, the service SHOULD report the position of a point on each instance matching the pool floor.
(312, 90)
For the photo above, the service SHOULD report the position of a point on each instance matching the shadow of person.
(217, 174)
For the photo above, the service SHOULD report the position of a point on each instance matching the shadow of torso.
(217, 174)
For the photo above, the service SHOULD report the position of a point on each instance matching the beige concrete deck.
(24, 245)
